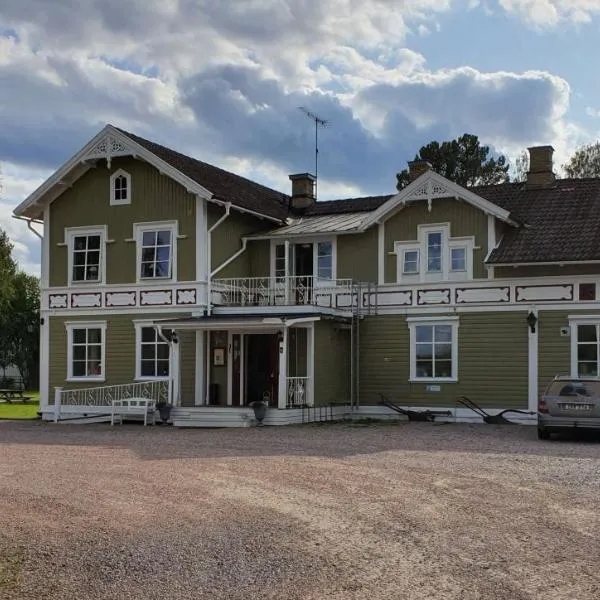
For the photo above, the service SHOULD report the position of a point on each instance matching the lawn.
(20, 410)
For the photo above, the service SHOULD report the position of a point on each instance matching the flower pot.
(260, 410)
(164, 410)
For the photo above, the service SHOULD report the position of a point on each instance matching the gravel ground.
(415, 511)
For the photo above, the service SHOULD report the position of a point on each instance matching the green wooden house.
(210, 291)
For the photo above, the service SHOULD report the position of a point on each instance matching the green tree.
(584, 163)
(463, 160)
(8, 269)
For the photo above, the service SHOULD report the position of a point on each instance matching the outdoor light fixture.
(532, 321)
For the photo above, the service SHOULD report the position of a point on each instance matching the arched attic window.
(120, 188)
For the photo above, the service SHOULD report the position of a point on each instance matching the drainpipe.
(231, 258)
(209, 255)
(162, 336)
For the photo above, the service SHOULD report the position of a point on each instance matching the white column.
(533, 364)
(310, 400)
(199, 395)
(288, 284)
(176, 375)
(44, 363)
(283, 351)
(381, 253)
(207, 372)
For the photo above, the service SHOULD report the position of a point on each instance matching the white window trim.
(457, 246)
(70, 326)
(139, 325)
(574, 322)
(138, 230)
(420, 244)
(403, 252)
(314, 240)
(413, 322)
(70, 234)
(113, 178)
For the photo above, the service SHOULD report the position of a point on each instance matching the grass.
(20, 410)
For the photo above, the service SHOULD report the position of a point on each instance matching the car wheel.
(543, 434)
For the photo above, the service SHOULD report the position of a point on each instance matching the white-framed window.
(87, 261)
(152, 353)
(434, 251)
(585, 346)
(458, 259)
(86, 351)
(120, 188)
(279, 261)
(410, 261)
(325, 260)
(434, 256)
(433, 348)
(156, 251)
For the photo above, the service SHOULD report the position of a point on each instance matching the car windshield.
(574, 388)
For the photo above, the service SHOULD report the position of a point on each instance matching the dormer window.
(120, 188)
(434, 256)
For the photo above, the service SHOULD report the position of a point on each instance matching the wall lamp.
(532, 321)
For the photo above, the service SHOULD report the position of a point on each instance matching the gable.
(428, 189)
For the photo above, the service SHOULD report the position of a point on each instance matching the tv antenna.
(319, 123)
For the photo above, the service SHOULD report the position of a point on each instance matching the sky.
(223, 81)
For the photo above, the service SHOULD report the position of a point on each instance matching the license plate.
(577, 407)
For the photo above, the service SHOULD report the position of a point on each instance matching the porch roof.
(218, 322)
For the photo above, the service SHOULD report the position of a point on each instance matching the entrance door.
(262, 367)
(303, 270)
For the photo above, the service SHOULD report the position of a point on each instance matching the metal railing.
(159, 390)
(280, 291)
(297, 392)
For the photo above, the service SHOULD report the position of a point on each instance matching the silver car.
(569, 403)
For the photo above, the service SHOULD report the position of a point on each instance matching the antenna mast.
(319, 122)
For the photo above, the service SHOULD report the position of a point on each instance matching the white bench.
(133, 406)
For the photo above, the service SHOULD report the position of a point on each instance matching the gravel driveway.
(337, 511)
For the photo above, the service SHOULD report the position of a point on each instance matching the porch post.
(175, 376)
(207, 372)
(286, 246)
(200, 367)
(283, 350)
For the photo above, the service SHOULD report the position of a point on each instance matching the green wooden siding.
(120, 353)
(227, 240)
(155, 197)
(357, 256)
(259, 252)
(545, 271)
(331, 363)
(492, 367)
(464, 219)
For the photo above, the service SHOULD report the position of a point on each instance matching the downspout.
(29, 222)
(209, 255)
(231, 258)
(162, 336)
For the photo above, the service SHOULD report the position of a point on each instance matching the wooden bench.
(140, 407)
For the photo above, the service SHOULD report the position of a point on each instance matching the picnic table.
(8, 395)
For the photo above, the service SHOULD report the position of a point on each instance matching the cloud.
(551, 13)
(223, 81)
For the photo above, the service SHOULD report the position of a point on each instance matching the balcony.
(283, 291)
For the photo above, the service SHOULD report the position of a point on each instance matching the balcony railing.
(282, 291)
(297, 392)
(158, 390)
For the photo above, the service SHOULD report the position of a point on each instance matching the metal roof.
(344, 223)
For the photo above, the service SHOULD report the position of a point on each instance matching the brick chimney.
(540, 174)
(303, 190)
(416, 168)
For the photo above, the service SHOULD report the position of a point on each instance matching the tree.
(585, 162)
(521, 167)
(8, 269)
(462, 160)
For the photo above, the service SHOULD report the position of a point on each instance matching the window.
(434, 251)
(120, 188)
(325, 260)
(433, 349)
(587, 350)
(86, 351)
(152, 354)
(280, 261)
(156, 250)
(458, 259)
(86, 255)
(410, 262)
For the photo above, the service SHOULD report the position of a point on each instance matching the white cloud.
(551, 13)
